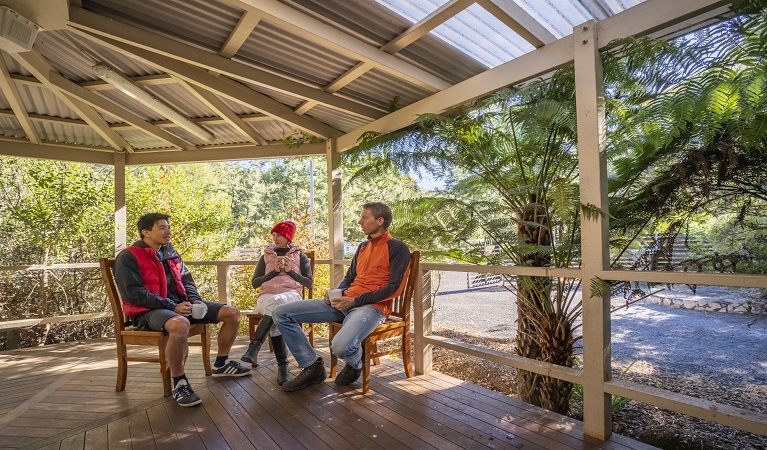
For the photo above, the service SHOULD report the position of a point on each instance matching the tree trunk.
(543, 333)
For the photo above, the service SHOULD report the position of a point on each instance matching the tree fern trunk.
(543, 333)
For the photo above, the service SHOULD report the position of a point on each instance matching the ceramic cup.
(334, 294)
(199, 310)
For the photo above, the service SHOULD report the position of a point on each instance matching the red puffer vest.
(153, 273)
(283, 282)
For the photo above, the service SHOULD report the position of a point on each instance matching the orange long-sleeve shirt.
(376, 272)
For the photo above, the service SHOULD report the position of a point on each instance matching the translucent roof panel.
(492, 43)
(473, 31)
(480, 35)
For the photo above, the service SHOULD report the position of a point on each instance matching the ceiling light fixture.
(136, 92)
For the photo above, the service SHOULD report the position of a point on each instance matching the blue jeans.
(358, 323)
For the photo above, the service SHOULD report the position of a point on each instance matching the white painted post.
(592, 165)
(222, 282)
(121, 213)
(423, 312)
(335, 214)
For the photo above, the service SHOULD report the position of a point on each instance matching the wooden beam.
(245, 26)
(42, 70)
(25, 323)
(124, 38)
(225, 154)
(519, 20)
(425, 25)
(595, 256)
(523, 68)
(8, 87)
(644, 18)
(317, 31)
(55, 151)
(742, 419)
(220, 108)
(497, 356)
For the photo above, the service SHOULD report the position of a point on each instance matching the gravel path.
(711, 345)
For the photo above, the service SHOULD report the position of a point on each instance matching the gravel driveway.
(684, 342)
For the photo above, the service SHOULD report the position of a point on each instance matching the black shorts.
(156, 318)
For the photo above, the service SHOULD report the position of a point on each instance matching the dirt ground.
(669, 367)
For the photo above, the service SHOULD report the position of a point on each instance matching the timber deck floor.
(62, 397)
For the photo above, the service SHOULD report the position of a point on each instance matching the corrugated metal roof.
(203, 23)
(284, 53)
(378, 88)
(305, 45)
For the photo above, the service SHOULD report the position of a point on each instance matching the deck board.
(62, 397)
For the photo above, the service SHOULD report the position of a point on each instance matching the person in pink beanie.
(282, 272)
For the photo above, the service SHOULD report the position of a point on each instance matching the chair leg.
(406, 354)
(311, 334)
(164, 371)
(366, 348)
(333, 357)
(205, 341)
(376, 360)
(122, 367)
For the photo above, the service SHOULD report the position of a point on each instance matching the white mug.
(334, 295)
(199, 310)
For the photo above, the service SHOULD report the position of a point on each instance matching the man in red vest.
(368, 288)
(158, 292)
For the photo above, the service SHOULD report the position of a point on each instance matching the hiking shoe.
(230, 369)
(348, 376)
(184, 394)
(314, 374)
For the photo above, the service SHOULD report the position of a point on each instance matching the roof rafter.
(226, 154)
(226, 113)
(54, 150)
(317, 31)
(42, 70)
(94, 26)
(425, 25)
(639, 20)
(240, 34)
(221, 86)
(76, 91)
(8, 87)
(412, 34)
(519, 20)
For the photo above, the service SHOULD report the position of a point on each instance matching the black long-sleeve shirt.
(304, 278)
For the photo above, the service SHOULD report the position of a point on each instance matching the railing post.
(121, 241)
(592, 167)
(423, 312)
(222, 282)
(335, 214)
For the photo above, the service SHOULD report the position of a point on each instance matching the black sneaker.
(184, 394)
(348, 376)
(230, 369)
(314, 374)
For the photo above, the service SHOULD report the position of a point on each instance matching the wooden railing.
(424, 340)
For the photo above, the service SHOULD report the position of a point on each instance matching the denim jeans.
(358, 323)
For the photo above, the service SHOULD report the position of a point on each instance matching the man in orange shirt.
(370, 284)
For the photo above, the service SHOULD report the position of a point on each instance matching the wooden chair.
(131, 336)
(254, 318)
(397, 325)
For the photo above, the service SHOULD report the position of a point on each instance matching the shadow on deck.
(62, 397)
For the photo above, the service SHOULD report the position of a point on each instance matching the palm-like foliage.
(686, 126)
(517, 168)
(699, 142)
